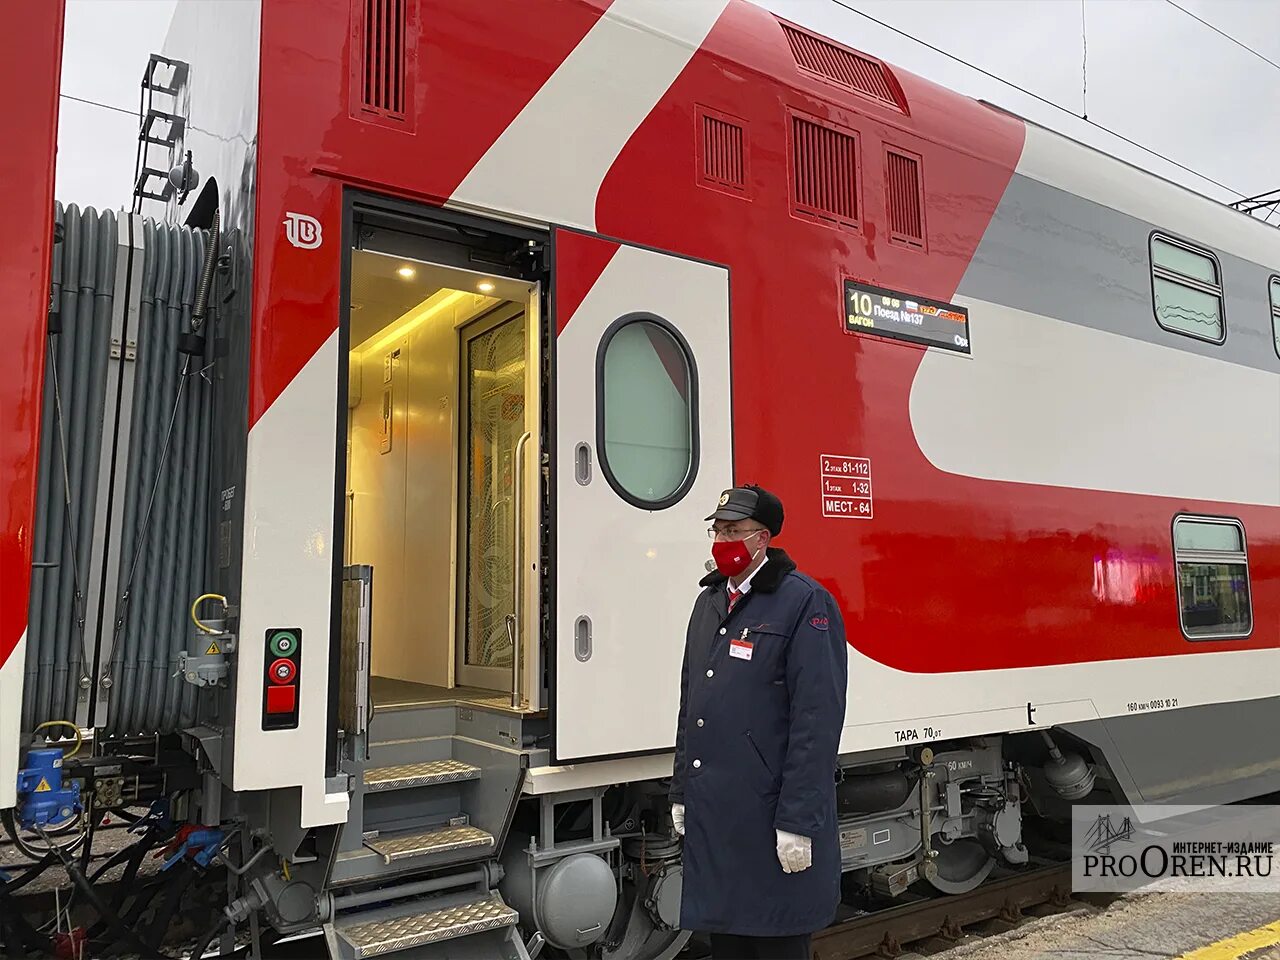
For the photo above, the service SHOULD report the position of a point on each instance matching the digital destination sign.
(902, 316)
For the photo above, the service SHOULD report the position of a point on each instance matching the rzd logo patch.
(819, 622)
(302, 231)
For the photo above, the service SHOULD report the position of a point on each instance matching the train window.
(647, 432)
(1275, 311)
(1213, 578)
(1188, 289)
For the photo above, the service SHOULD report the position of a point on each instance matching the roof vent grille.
(843, 66)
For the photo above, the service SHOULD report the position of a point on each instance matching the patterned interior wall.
(495, 421)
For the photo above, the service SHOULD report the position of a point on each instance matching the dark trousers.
(727, 946)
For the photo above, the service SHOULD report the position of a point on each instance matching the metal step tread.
(398, 846)
(403, 775)
(374, 938)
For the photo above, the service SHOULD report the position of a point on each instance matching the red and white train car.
(499, 297)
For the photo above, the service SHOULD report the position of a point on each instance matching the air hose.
(32, 853)
(127, 936)
(131, 856)
(13, 922)
(208, 937)
(206, 275)
(192, 343)
(162, 913)
(33, 871)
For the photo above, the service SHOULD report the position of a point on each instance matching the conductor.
(762, 699)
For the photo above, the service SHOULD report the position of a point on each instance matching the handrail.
(514, 622)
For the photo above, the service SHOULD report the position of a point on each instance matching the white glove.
(795, 853)
(677, 817)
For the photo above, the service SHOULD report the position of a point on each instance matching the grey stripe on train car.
(1225, 752)
(1050, 252)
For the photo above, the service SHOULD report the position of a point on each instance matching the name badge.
(741, 647)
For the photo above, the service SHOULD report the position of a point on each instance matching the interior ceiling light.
(485, 286)
(406, 272)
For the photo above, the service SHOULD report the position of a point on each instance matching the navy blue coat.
(756, 752)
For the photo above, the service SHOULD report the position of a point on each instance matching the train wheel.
(962, 865)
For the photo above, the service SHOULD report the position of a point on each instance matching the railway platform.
(1177, 926)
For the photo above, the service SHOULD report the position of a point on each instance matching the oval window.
(647, 397)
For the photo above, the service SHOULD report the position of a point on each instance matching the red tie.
(733, 597)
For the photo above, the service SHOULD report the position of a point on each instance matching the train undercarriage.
(448, 854)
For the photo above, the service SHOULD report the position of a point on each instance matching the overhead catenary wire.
(96, 103)
(1222, 33)
(1035, 96)
(1084, 65)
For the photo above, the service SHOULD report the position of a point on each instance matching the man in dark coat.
(762, 698)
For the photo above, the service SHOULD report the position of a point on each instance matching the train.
(354, 476)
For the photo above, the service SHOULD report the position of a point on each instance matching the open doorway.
(441, 477)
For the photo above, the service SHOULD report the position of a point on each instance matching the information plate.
(903, 316)
(846, 486)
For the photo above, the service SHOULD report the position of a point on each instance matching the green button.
(284, 644)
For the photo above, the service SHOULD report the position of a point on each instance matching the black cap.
(750, 503)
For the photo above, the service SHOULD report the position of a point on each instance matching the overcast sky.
(1155, 75)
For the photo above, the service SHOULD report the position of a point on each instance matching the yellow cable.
(64, 723)
(284, 866)
(200, 599)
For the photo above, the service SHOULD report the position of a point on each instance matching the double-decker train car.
(358, 473)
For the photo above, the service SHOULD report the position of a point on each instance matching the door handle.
(582, 638)
(582, 463)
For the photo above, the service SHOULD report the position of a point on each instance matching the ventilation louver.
(382, 48)
(843, 66)
(824, 172)
(722, 152)
(906, 208)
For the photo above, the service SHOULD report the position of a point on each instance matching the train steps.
(437, 789)
(464, 926)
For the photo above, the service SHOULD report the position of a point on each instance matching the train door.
(498, 423)
(642, 450)
(442, 493)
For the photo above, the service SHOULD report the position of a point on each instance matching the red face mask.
(731, 556)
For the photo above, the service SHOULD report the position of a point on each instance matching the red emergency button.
(282, 671)
(282, 699)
